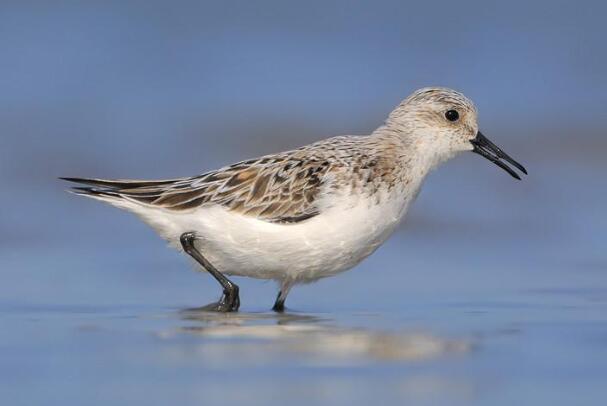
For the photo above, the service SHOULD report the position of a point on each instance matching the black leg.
(279, 304)
(230, 301)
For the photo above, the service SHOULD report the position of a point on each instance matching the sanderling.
(308, 213)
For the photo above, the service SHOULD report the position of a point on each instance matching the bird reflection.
(315, 339)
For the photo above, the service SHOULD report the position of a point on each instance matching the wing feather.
(281, 188)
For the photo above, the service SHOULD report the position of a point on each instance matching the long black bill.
(489, 150)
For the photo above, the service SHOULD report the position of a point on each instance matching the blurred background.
(509, 275)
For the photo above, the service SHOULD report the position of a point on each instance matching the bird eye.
(452, 115)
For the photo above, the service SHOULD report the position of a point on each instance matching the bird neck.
(410, 150)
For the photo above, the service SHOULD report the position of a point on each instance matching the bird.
(308, 213)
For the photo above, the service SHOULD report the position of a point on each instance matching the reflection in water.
(254, 336)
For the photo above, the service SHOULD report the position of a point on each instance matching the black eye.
(452, 115)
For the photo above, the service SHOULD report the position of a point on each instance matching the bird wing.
(281, 188)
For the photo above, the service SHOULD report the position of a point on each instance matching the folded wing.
(279, 188)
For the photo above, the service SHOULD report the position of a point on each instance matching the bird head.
(439, 123)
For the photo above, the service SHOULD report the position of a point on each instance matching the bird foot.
(227, 303)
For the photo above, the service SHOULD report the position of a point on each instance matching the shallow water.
(534, 347)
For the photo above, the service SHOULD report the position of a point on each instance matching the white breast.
(331, 242)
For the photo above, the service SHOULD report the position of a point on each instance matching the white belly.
(331, 242)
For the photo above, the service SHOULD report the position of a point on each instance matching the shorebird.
(309, 213)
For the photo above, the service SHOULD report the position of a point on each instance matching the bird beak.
(482, 146)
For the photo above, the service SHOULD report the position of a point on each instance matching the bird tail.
(135, 196)
(121, 192)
